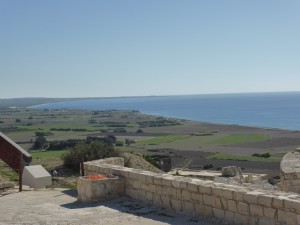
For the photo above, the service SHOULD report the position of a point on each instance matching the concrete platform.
(50, 207)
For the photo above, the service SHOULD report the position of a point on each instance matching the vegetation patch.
(243, 158)
(239, 138)
(161, 140)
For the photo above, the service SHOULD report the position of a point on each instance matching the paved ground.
(60, 207)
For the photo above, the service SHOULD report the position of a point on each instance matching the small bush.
(262, 155)
(87, 152)
(119, 143)
(208, 166)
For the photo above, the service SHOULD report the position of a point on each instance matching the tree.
(39, 142)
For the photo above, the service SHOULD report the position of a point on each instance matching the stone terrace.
(229, 204)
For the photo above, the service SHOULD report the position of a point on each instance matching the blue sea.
(268, 110)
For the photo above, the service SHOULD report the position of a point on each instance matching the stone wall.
(290, 172)
(229, 204)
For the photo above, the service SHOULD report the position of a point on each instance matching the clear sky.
(97, 48)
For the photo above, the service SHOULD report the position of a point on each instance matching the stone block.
(292, 204)
(203, 211)
(238, 195)
(178, 194)
(149, 179)
(152, 188)
(149, 197)
(219, 214)
(256, 210)
(241, 219)
(159, 190)
(285, 217)
(243, 208)
(265, 200)
(166, 182)
(270, 212)
(264, 221)
(188, 207)
(183, 185)
(209, 200)
(157, 200)
(205, 190)
(166, 202)
(173, 192)
(197, 197)
(192, 186)
(176, 205)
(157, 180)
(142, 178)
(136, 184)
(278, 202)
(176, 183)
(252, 197)
(133, 175)
(232, 206)
(186, 195)
(144, 186)
(229, 217)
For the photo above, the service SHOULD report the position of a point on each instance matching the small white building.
(36, 177)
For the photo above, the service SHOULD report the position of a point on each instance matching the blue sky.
(103, 48)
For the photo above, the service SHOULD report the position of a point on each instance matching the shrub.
(208, 166)
(139, 131)
(119, 143)
(87, 152)
(262, 155)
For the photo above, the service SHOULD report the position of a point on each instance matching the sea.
(267, 110)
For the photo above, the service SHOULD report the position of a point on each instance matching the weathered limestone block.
(192, 186)
(252, 197)
(219, 213)
(166, 202)
(101, 189)
(292, 204)
(270, 212)
(256, 210)
(157, 200)
(188, 207)
(243, 208)
(209, 200)
(157, 180)
(278, 202)
(241, 219)
(203, 211)
(176, 205)
(285, 217)
(186, 195)
(265, 200)
(197, 197)
(232, 206)
(229, 217)
(264, 221)
(205, 190)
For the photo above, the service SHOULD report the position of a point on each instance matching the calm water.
(274, 110)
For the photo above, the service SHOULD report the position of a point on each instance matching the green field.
(238, 139)
(161, 140)
(47, 154)
(242, 157)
